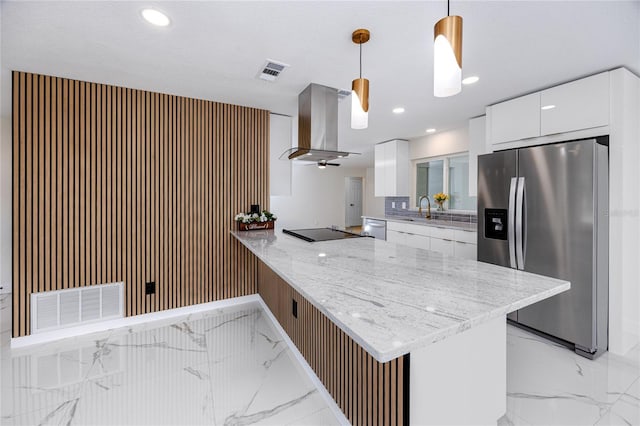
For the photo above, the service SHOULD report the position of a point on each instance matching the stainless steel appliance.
(317, 126)
(375, 227)
(544, 209)
(320, 234)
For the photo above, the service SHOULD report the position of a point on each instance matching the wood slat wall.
(367, 391)
(113, 184)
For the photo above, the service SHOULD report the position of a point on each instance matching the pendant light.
(360, 88)
(447, 56)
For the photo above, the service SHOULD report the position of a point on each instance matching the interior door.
(559, 236)
(353, 201)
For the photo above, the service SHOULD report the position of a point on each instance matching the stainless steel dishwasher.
(375, 227)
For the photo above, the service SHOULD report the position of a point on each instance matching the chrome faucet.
(428, 215)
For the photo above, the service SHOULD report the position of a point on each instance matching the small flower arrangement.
(264, 216)
(250, 221)
(440, 198)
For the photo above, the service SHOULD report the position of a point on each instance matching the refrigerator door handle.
(510, 222)
(520, 223)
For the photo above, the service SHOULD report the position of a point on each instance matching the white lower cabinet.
(452, 242)
(417, 241)
(396, 236)
(442, 246)
(465, 250)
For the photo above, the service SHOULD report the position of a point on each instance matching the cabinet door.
(390, 169)
(417, 241)
(477, 146)
(581, 104)
(515, 119)
(465, 250)
(396, 237)
(465, 236)
(442, 246)
(379, 170)
(442, 233)
(402, 168)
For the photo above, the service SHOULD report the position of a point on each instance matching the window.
(449, 175)
(429, 178)
(459, 184)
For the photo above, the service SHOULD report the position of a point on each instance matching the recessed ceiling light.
(548, 107)
(398, 110)
(309, 153)
(431, 130)
(471, 80)
(155, 17)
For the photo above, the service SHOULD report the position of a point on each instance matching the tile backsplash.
(393, 207)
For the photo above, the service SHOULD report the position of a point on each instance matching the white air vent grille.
(343, 93)
(63, 308)
(271, 70)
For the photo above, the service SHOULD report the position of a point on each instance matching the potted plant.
(253, 221)
(440, 198)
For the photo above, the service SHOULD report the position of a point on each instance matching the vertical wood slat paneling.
(113, 184)
(367, 391)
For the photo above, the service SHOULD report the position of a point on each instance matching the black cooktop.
(320, 234)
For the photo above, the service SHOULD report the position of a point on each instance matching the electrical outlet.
(294, 308)
(393, 204)
(404, 205)
(150, 288)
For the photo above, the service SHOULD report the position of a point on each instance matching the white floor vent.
(51, 310)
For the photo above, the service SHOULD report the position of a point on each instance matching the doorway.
(353, 201)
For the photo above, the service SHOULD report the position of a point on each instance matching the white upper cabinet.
(577, 107)
(392, 169)
(477, 146)
(379, 171)
(581, 104)
(514, 120)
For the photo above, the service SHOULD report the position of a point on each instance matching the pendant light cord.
(360, 60)
(447, 7)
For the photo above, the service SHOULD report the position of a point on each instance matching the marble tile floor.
(547, 384)
(231, 367)
(227, 366)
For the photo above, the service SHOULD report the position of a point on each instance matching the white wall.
(317, 198)
(280, 131)
(5, 174)
(444, 143)
(372, 206)
(624, 213)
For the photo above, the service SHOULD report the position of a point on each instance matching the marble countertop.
(466, 226)
(391, 298)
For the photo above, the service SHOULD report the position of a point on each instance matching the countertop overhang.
(390, 298)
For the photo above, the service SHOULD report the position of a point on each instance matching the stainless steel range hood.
(317, 126)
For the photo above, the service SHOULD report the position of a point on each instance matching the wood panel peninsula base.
(397, 335)
(460, 380)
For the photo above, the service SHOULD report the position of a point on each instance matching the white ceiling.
(214, 50)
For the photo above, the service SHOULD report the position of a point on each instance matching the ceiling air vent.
(343, 93)
(271, 70)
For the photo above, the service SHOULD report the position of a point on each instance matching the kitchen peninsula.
(396, 334)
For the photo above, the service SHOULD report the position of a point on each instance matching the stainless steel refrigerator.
(544, 209)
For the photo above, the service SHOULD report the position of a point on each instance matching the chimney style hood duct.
(317, 126)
